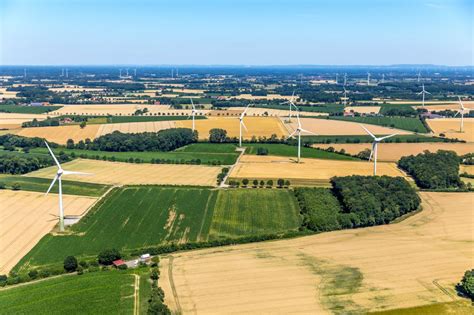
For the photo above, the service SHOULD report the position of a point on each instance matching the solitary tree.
(83, 124)
(70, 263)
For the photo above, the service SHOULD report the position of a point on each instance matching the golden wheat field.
(4, 94)
(61, 134)
(256, 111)
(257, 126)
(337, 127)
(411, 263)
(454, 107)
(118, 173)
(25, 217)
(363, 109)
(267, 97)
(136, 127)
(14, 120)
(451, 126)
(394, 151)
(467, 169)
(310, 171)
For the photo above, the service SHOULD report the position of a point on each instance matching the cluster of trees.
(9, 142)
(356, 201)
(281, 183)
(15, 164)
(438, 170)
(163, 140)
(222, 175)
(466, 286)
(156, 302)
(218, 135)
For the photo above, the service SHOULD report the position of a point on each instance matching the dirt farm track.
(415, 262)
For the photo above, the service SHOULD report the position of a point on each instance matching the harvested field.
(310, 171)
(14, 120)
(188, 91)
(336, 127)
(363, 109)
(467, 169)
(267, 97)
(258, 111)
(450, 127)
(454, 107)
(61, 134)
(401, 265)
(394, 151)
(118, 173)
(135, 127)
(25, 217)
(4, 94)
(257, 126)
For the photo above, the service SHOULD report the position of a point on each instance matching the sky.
(236, 32)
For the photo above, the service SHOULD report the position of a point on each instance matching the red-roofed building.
(118, 262)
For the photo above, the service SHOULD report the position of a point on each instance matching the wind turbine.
(419, 76)
(383, 78)
(193, 112)
(298, 130)
(290, 103)
(368, 78)
(60, 173)
(345, 78)
(241, 123)
(461, 111)
(337, 75)
(345, 96)
(423, 92)
(373, 152)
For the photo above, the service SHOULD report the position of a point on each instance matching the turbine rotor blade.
(52, 154)
(245, 127)
(307, 131)
(291, 135)
(386, 137)
(370, 133)
(52, 184)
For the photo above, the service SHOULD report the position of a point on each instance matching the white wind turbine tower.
(419, 77)
(373, 152)
(299, 130)
(345, 78)
(368, 78)
(383, 78)
(241, 123)
(290, 103)
(345, 97)
(337, 75)
(423, 92)
(60, 173)
(193, 112)
(461, 111)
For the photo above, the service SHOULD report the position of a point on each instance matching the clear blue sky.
(242, 32)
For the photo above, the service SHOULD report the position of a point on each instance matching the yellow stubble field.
(118, 173)
(14, 120)
(451, 128)
(394, 151)
(309, 172)
(60, 134)
(257, 126)
(135, 127)
(410, 263)
(25, 217)
(337, 127)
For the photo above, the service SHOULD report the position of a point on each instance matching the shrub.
(155, 274)
(106, 257)
(262, 151)
(33, 274)
(255, 183)
(270, 183)
(245, 182)
(122, 267)
(466, 286)
(16, 186)
(70, 263)
(280, 182)
(262, 183)
(287, 183)
(80, 270)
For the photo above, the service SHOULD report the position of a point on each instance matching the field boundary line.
(242, 152)
(136, 300)
(8, 287)
(445, 291)
(173, 287)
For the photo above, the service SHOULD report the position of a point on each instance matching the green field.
(289, 150)
(209, 148)
(182, 154)
(42, 184)
(128, 119)
(92, 293)
(404, 123)
(368, 139)
(457, 307)
(28, 109)
(136, 217)
(240, 212)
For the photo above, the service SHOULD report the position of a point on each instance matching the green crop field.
(241, 212)
(289, 150)
(181, 154)
(27, 109)
(209, 148)
(140, 216)
(455, 307)
(404, 123)
(42, 184)
(92, 293)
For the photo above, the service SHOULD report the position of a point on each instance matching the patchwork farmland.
(450, 127)
(407, 264)
(168, 215)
